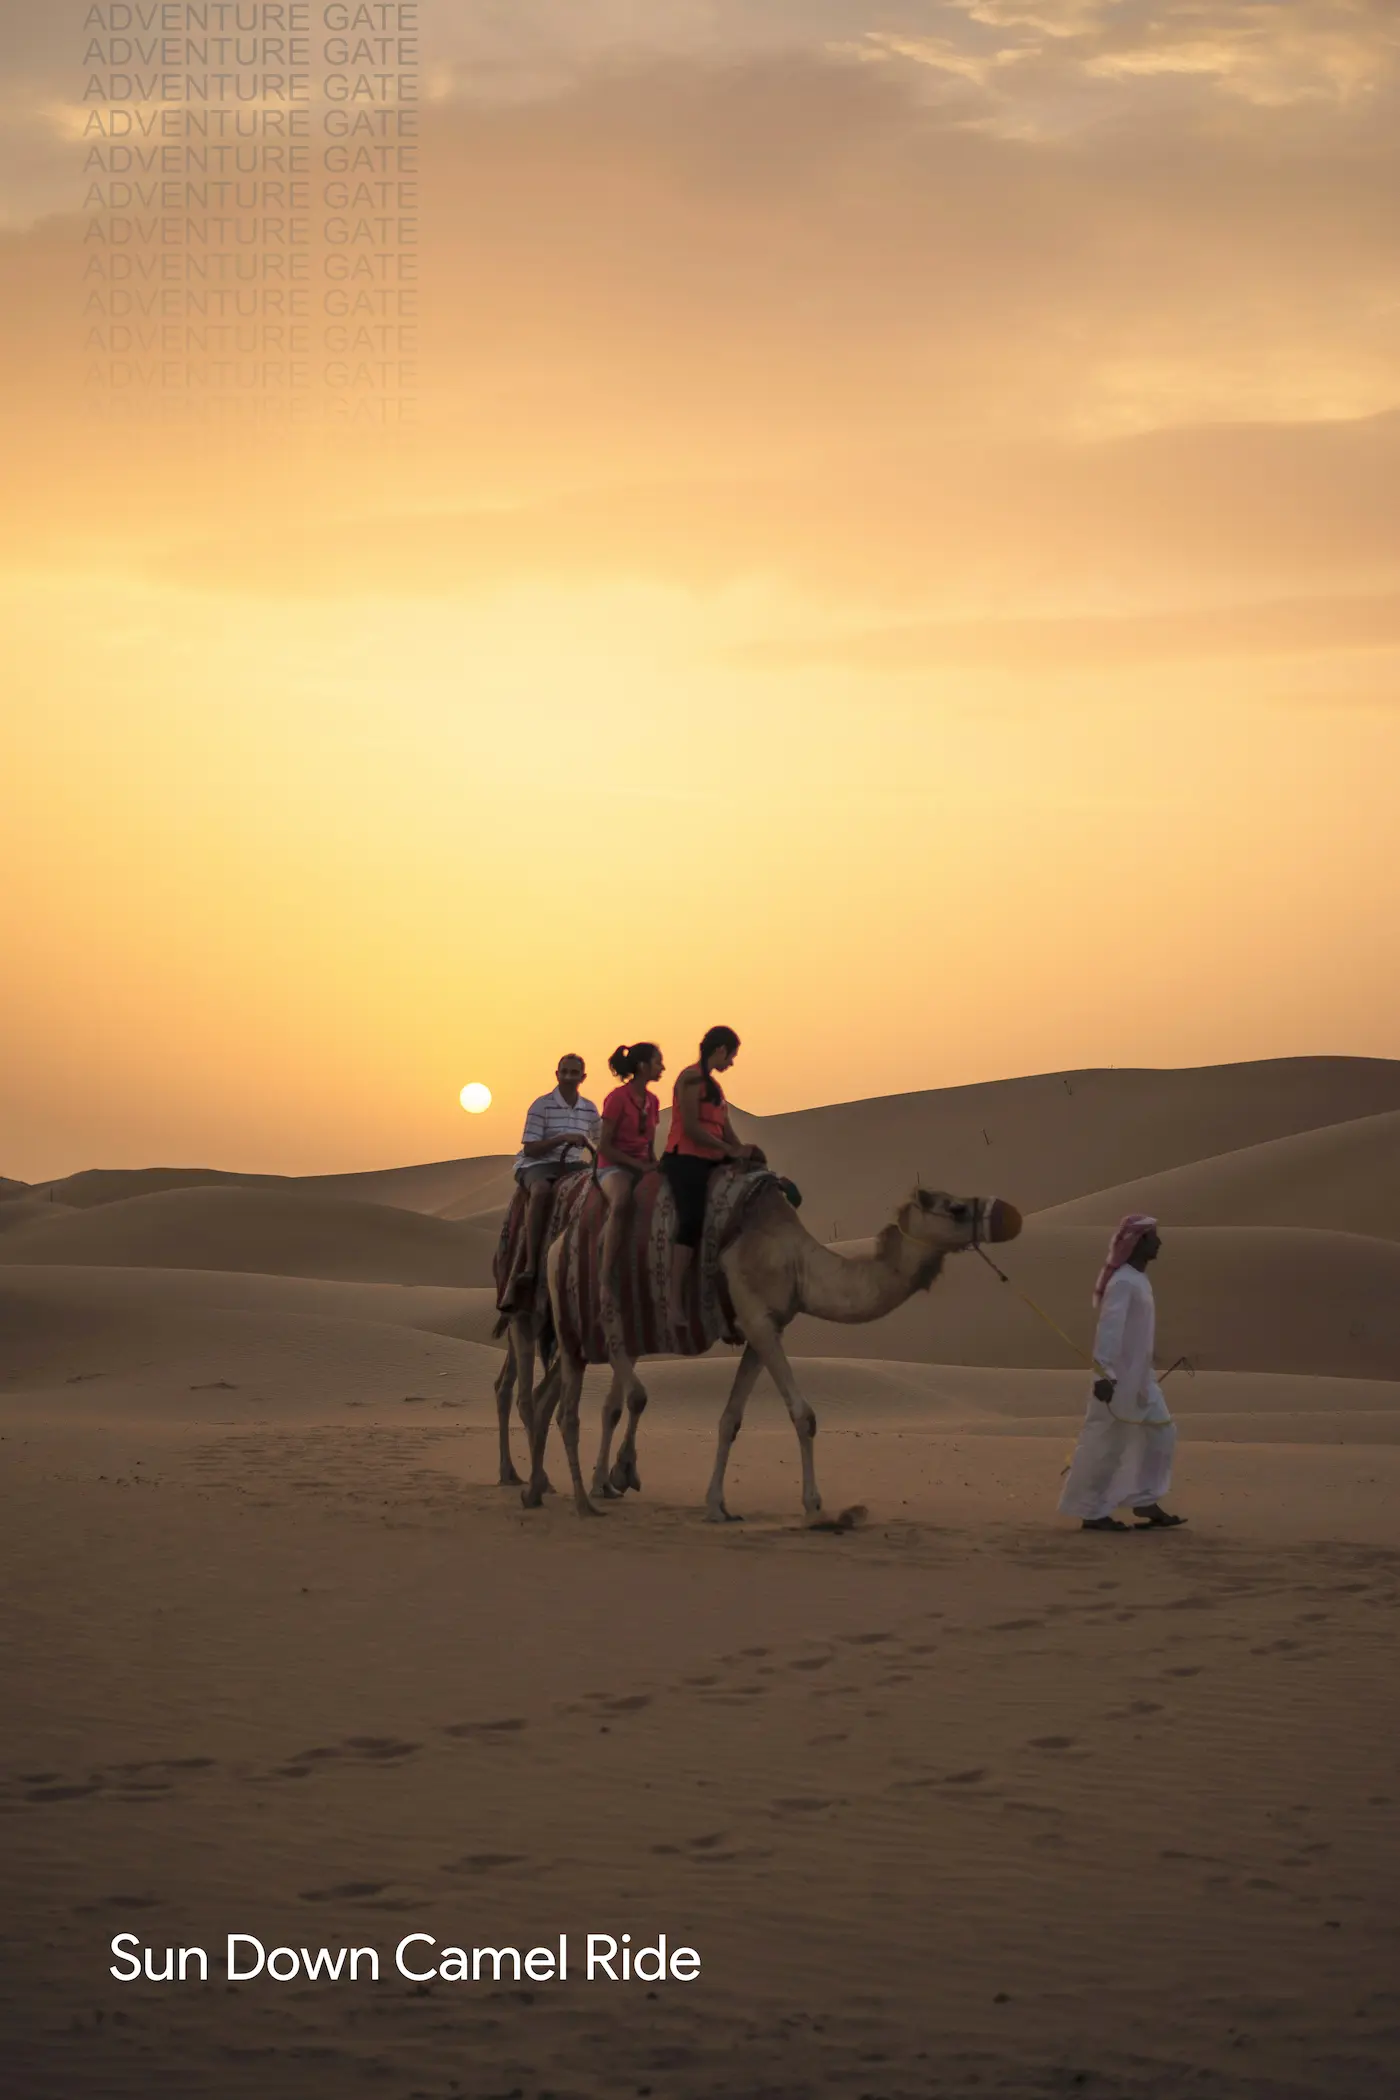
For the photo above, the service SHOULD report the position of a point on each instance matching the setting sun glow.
(475, 1098)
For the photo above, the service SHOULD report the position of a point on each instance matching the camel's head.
(946, 1223)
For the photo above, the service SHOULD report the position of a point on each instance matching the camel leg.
(546, 1395)
(505, 1386)
(523, 1342)
(571, 1392)
(624, 1474)
(541, 1415)
(730, 1423)
(762, 1335)
(612, 1415)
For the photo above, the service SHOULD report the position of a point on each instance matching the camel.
(773, 1269)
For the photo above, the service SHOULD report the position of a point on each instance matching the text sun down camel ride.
(759, 1268)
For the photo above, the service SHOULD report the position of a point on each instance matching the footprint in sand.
(1051, 1742)
(483, 1862)
(631, 1705)
(382, 1748)
(483, 1728)
(1186, 1670)
(978, 1772)
(812, 1662)
(704, 1844)
(60, 1793)
(800, 1804)
(864, 1640)
(345, 1891)
(1018, 1625)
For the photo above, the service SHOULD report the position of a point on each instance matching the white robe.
(1124, 1453)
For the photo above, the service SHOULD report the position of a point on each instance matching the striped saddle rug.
(643, 1281)
(508, 1261)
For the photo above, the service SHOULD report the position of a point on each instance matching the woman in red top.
(702, 1138)
(627, 1147)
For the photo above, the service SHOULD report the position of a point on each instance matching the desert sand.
(958, 1801)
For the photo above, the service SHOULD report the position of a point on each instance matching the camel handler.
(1125, 1449)
(559, 1128)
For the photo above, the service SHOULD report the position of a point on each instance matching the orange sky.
(900, 553)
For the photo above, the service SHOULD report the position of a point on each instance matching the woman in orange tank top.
(702, 1138)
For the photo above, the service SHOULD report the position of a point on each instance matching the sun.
(475, 1098)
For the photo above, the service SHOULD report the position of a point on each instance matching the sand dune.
(1042, 1140)
(1345, 1176)
(257, 1229)
(1048, 1139)
(436, 1189)
(21, 1208)
(112, 1348)
(1245, 1298)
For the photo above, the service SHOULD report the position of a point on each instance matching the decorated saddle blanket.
(515, 1294)
(641, 1296)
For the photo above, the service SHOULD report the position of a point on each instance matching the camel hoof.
(587, 1508)
(624, 1476)
(531, 1497)
(510, 1478)
(604, 1491)
(722, 1516)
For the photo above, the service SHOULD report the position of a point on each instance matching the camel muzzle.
(1000, 1221)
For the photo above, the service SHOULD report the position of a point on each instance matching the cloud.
(784, 320)
(1268, 52)
(1278, 628)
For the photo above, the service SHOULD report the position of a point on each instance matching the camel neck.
(854, 1288)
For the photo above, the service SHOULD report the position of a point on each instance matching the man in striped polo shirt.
(550, 1147)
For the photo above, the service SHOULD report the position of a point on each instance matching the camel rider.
(627, 1146)
(558, 1131)
(702, 1138)
(1125, 1449)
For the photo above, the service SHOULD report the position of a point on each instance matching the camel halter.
(1183, 1361)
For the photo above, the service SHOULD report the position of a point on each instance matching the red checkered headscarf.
(1126, 1234)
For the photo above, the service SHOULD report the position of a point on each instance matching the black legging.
(689, 1177)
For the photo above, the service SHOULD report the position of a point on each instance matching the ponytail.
(628, 1059)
